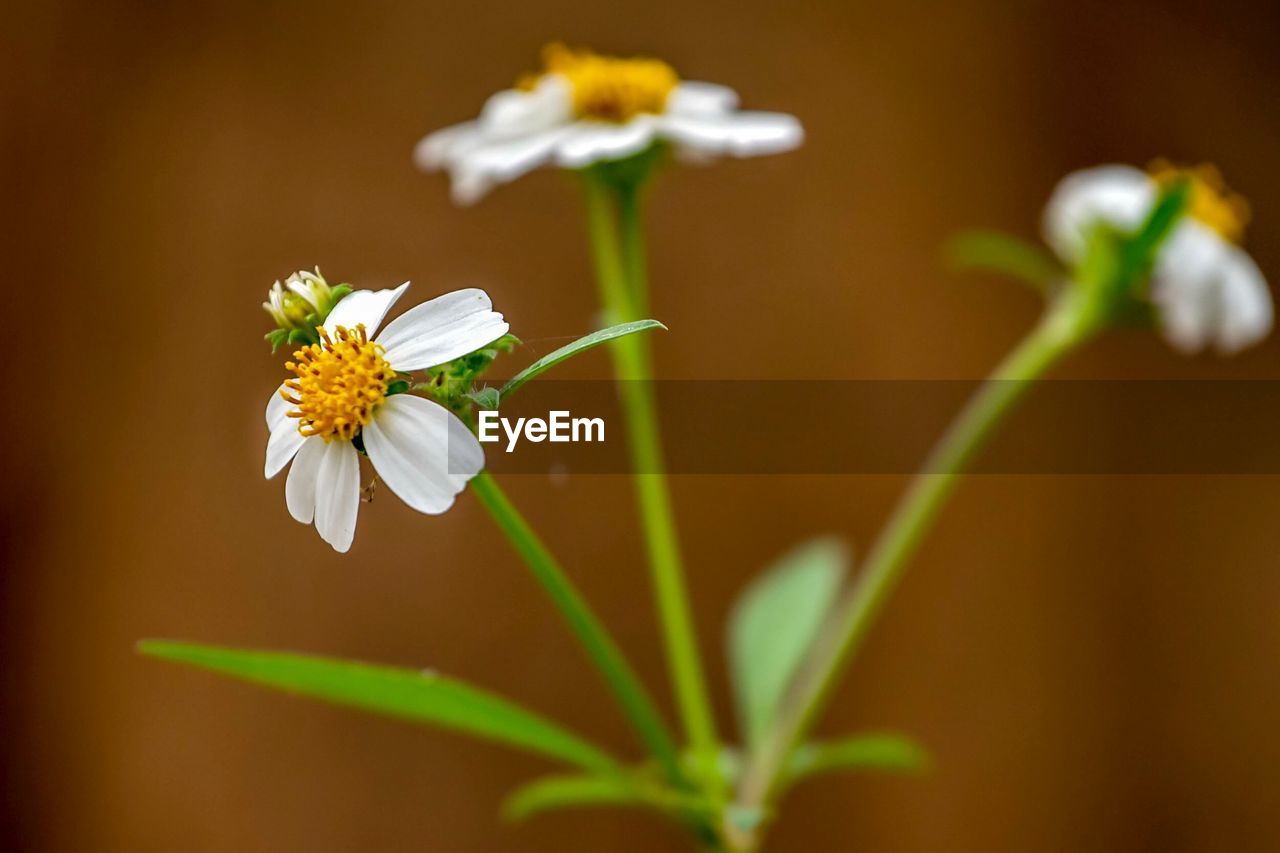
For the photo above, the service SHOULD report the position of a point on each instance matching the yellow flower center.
(1211, 202)
(339, 383)
(606, 88)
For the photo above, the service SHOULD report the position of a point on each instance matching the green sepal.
(277, 338)
(398, 386)
(485, 398)
(450, 383)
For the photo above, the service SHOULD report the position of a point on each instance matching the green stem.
(1068, 322)
(631, 364)
(627, 688)
(634, 255)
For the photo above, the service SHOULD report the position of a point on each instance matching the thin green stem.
(631, 365)
(634, 256)
(1065, 325)
(604, 652)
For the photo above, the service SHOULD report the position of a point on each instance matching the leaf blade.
(996, 251)
(774, 622)
(882, 751)
(406, 694)
(579, 346)
(550, 793)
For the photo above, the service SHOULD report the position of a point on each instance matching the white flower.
(585, 109)
(1206, 289)
(420, 449)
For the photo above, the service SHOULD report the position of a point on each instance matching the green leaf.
(998, 252)
(581, 345)
(593, 790)
(569, 791)
(773, 624)
(485, 398)
(883, 751)
(421, 697)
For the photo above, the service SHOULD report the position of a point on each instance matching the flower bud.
(299, 305)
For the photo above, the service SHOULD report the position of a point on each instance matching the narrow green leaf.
(773, 624)
(581, 345)
(550, 793)
(421, 697)
(884, 751)
(1003, 253)
(593, 790)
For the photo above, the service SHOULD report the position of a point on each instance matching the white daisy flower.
(1205, 288)
(585, 108)
(420, 449)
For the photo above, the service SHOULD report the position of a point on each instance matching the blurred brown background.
(1090, 659)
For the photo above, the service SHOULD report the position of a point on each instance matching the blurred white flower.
(420, 449)
(1205, 288)
(584, 109)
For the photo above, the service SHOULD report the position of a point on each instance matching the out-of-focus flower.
(1204, 287)
(344, 393)
(585, 108)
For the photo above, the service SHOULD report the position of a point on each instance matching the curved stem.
(631, 364)
(1065, 325)
(627, 688)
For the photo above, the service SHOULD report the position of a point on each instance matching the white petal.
(1119, 195)
(692, 97)
(422, 451)
(739, 134)
(516, 132)
(285, 439)
(487, 163)
(1185, 285)
(516, 112)
(1247, 312)
(277, 409)
(300, 487)
(441, 330)
(593, 142)
(338, 494)
(366, 307)
(437, 150)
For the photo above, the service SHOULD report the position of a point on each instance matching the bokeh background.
(1092, 660)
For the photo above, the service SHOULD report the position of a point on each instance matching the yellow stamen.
(338, 383)
(606, 88)
(1212, 202)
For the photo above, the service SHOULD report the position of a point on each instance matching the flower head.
(1204, 286)
(343, 391)
(584, 108)
(299, 305)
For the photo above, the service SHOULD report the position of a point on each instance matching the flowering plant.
(1160, 248)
